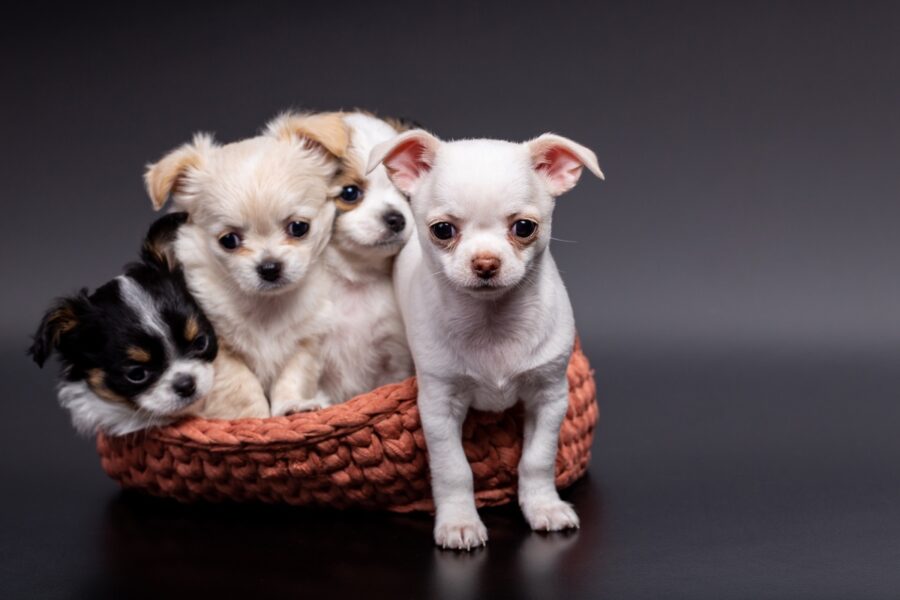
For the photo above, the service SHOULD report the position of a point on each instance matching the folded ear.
(62, 318)
(406, 158)
(321, 131)
(157, 250)
(164, 178)
(559, 161)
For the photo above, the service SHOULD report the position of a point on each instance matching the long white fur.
(486, 347)
(269, 360)
(157, 405)
(366, 345)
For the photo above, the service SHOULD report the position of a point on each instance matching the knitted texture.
(368, 452)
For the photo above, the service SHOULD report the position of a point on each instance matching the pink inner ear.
(406, 163)
(560, 167)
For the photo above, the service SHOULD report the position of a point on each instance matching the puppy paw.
(299, 405)
(460, 534)
(550, 515)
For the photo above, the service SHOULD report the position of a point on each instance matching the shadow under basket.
(368, 452)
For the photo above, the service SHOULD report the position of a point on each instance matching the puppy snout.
(485, 266)
(394, 221)
(269, 270)
(184, 385)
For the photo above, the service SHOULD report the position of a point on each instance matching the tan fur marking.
(326, 130)
(400, 125)
(97, 382)
(138, 354)
(351, 173)
(163, 178)
(191, 328)
(64, 320)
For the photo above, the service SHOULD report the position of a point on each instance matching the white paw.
(550, 515)
(460, 534)
(290, 407)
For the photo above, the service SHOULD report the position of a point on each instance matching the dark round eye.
(136, 374)
(200, 343)
(230, 241)
(443, 230)
(351, 193)
(524, 228)
(297, 229)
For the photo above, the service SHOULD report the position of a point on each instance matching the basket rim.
(274, 433)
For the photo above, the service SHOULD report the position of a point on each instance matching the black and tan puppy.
(137, 352)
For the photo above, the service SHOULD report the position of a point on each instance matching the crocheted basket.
(368, 452)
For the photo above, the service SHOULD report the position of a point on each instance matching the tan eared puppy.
(261, 212)
(366, 346)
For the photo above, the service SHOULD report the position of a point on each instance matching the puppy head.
(135, 353)
(373, 218)
(483, 208)
(259, 209)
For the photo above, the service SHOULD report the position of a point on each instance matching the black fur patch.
(95, 331)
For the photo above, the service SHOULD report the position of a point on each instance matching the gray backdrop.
(735, 282)
(750, 149)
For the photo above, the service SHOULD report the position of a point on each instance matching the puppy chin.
(259, 287)
(387, 245)
(274, 288)
(484, 290)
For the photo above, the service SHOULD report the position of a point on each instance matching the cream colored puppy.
(261, 214)
(487, 315)
(366, 346)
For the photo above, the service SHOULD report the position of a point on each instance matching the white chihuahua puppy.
(260, 215)
(487, 316)
(366, 345)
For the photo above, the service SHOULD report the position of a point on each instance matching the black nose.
(269, 271)
(184, 385)
(394, 221)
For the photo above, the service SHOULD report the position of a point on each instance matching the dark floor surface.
(758, 473)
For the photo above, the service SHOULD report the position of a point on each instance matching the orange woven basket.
(368, 452)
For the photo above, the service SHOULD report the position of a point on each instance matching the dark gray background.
(735, 282)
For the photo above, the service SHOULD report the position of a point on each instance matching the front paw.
(460, 533)
(289, 407)
(550, 515)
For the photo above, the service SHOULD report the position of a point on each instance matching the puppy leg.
(457, 524)
(540, 502)
(236, 392)
(297, 388)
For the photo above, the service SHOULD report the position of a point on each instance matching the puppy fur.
(366, 346)
(487, 316)
(261, 214)
(136, 353)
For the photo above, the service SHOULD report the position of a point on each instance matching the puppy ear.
(406, 158)
(157, 250)
(559, 160)
(165, 178)
(61, 319)
(322, 131)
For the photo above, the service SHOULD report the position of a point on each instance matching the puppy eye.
(230, 241)
(297, 229)
(351, 193)
(524, 228)
(443, 230)
(200, 343)
(136, 374)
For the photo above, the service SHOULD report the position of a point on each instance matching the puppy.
(487, 316)
(136, 353)
(261, 213)
(366, 346)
